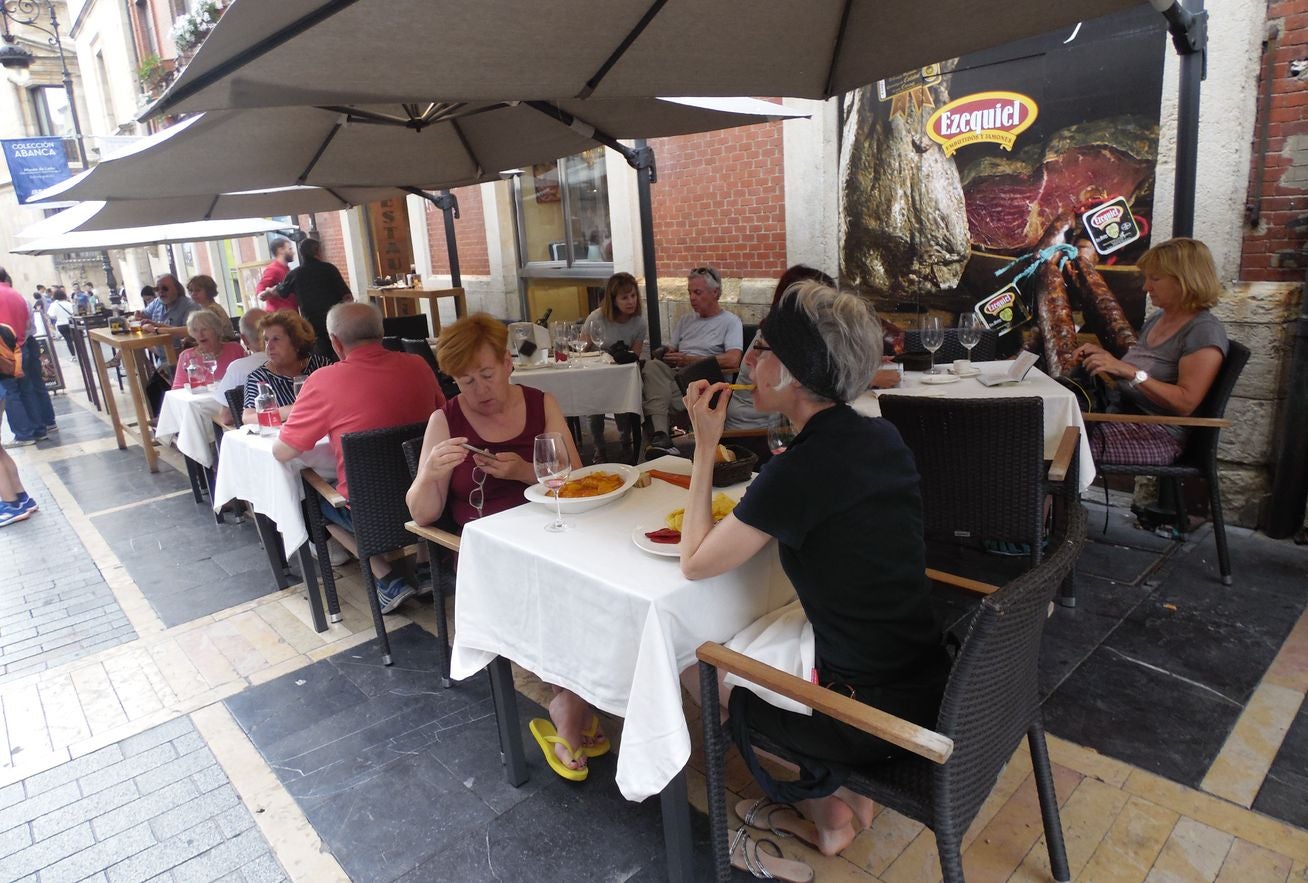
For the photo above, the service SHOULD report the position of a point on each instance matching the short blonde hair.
(462, 341)
(1191, 264)
(206, 319)
(205, 284)
(297, 328)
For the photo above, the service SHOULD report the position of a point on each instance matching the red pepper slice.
(664, 535)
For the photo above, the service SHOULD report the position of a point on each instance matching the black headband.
(795, 340)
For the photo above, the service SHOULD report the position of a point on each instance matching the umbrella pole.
(448, 203)
(642, 160)
(1188, 26)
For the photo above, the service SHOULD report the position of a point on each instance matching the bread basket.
(738, 470)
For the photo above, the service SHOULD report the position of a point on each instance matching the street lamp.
(17, 63)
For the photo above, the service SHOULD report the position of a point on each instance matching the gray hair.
(250, 324)
(353, 323)
(849, 326)
(709, 275)
(203, 318)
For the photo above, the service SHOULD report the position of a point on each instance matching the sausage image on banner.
(1103, 312)
(1054, 310)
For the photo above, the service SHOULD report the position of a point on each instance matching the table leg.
(103, 373)
(311, 586)
(434, 307)
(506, 718)
(676, 829)
(272, 547)
(85, 365)
(138, 402)
(194, 473)
(460, 305)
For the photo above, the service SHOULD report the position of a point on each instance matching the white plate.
(940, 378)
(538, 493)
(644, 543)
(974, 372)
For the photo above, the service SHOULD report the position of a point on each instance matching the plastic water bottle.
(265, 406)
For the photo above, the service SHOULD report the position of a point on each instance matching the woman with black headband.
(843, 503)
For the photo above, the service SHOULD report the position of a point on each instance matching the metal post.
(448, 203)
(1290, 488)
(1189, 29)
(642, 160)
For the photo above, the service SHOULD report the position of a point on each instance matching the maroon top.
(500, 493)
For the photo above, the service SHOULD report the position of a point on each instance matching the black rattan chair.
(439, 537)
(1199, 458)
(407, 326)
(379, 479)
(951, 349)
(990, 702)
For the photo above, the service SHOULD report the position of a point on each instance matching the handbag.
(1091, 392)
(621, 353)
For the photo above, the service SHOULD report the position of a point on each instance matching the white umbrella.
(296, 52)
(159, 234)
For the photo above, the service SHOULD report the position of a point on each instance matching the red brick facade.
(469, 230)
(720, 200)
(333, 240)
(1284, 187)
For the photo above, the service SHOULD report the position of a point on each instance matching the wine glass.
(933, 337)
(577, 342)
(210, 370)
(597, 336)
(549, 457)
(969, 333)
(519, 334)
(781, 433)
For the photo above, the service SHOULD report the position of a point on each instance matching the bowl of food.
(587, 488)
(733, 465)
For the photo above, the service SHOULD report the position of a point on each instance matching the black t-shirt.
(318, 286)
(843, 502)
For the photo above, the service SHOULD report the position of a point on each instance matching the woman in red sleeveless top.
(491, 413)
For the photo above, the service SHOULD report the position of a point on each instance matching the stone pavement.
(220, 737)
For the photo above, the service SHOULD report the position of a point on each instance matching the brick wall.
(720, 200)
(469, 230)
(1284, 187)
(333, 240)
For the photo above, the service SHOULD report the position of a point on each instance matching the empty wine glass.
(969, 333)
(933, 337)
(210, 370)
(553, 465)
(597, 336)
(781, 433)
(519, 334)
(297, 384)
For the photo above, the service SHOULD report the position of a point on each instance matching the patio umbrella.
(158, 234)
(415, 147)
(335, 51)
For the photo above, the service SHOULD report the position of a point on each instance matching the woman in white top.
(60, 312)
(616, 319)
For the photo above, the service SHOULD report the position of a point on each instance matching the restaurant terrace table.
(248, 471)
(129, 347)
(1061, 410)
(594, 388)
(189, 415)
(388, 300)
(589, 611)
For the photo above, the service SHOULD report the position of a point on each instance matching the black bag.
(1092, 393)
(621, 353)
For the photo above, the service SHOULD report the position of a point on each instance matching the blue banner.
(35, 164)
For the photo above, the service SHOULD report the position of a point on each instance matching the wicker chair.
(990, 702)
(1199, 459)
(379, 480)
(951, 349)
(437, 537)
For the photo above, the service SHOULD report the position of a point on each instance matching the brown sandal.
(747, 855)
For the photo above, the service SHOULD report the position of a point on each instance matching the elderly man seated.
(240, 369)
(370, 388)
(707, 331)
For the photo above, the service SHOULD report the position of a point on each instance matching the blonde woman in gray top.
(617, 318)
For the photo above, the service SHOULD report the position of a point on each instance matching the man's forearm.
(284, 452)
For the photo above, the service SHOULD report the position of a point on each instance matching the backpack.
(11, 360)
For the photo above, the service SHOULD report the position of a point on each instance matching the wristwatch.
(1139, 378)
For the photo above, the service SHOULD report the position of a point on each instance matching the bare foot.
(834, 821)
(570, 716)
(593, 736)
(863, 808)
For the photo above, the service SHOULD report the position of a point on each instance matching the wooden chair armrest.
(909, 736)
(1063, 457)
(440, 537)
(323, 488)
(1160, 420)
(744, 433)
(962, 582)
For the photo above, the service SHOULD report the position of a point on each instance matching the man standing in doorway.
(273, 275)
(318, 286)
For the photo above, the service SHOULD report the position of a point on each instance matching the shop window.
(564, 211)
(53, 114)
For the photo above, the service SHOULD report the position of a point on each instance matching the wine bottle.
(543, 321)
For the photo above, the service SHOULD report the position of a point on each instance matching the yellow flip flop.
(547, 737)
(589, 732)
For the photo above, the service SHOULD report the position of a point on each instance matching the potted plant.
(190, 29)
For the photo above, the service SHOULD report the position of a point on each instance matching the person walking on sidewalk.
(31, 386)
(15, 504)
(14, 313)
(61, 313)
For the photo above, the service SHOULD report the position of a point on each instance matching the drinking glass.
(969, 333)
(577, 343)
(781, 433)
(933, 337)
(210, 370)
(560, 333)
(520, 333)
(597, 337)
(553, 466)
(297, 384)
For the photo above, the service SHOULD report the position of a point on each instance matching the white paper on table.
(995, 373)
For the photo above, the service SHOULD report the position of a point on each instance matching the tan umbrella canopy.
(156, 234)
(292, 52)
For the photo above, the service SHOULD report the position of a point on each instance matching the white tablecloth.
(588, 611)
(1060, 406)
(247, 470)
(189, 416)
(591, 389)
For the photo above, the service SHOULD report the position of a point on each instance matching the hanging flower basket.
(190, 30)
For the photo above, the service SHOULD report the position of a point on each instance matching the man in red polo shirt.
(273, 275)
(370, 388)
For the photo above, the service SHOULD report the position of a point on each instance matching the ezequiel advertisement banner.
(962, 179)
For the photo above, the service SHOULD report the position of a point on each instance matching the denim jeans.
(20, 423)
(36, 398)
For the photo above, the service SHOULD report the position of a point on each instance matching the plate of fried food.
(587, 488)
(665, 539)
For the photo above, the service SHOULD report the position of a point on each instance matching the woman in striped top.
(288, 342)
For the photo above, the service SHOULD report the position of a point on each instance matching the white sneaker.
(336, 553)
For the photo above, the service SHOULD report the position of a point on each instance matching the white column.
(354, 232)
(624, 214)
(418, 234)
(811, 163)
(500, 296)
